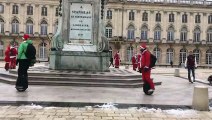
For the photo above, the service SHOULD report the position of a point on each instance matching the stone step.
(76, 79)
(82, 84)
(81, 74)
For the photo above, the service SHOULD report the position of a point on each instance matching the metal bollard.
(200, 98)
(177, 73)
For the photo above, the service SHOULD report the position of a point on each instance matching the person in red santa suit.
(13, 55)
(134, 62)
(7, 58)
(139, 62)
(146, 70)
(117, 60)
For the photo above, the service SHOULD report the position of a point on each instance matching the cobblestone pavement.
(90, 113)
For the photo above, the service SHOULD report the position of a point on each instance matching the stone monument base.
(82, 61)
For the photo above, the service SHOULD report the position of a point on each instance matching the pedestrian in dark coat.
(191, 64)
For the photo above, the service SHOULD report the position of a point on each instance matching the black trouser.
(22, 80)
(191, 69)
(111, 63)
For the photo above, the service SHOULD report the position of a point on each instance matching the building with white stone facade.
(38, 18)
(171, 28)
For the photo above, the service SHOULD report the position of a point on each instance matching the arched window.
(145, 16)
(44, 11)
(183, 34)
(158, 17)
(109, 14)
(131, 15)
(170, 34)
(1, 48)
(169, 55)
(131, 32)
(43, 29)
(196, 53)
(197, 35)
(29, 10)
(15, 9)
(109, 31)
(209, 35)
(29, 27)
(210, 19)
(184, 18)
(43, 51)
(1, 25)
(15, 26)
(157, 33)
(183, 54)
(157, 53)
(1, 8)
(209, 57)
(144, 32)
(171, 17)
(129, 53)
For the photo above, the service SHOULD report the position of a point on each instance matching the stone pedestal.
(200, 98)
(85, 61)
(80, 42)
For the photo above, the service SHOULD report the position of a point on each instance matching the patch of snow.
(33, 106)
(107, 106)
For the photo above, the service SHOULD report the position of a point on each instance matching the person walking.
(171, 63)
(134, 62)
(23, 64)
(7, 58)
(139, 62)
(117, 60)
(145, 67)
(111, 61)
(13, 55)
(191, 64)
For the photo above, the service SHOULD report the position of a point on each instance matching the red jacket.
(134, 61)
(7, 54)
(145, 60)
(139, 60)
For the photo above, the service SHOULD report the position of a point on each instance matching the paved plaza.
(125, 103)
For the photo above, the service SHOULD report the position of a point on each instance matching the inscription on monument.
(80, 21)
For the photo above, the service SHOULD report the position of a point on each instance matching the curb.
(95, 105)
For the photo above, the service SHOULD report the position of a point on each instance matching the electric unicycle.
(146, 88)
(20, 89)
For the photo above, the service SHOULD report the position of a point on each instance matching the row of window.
(15, 10)
(158, 31)
(42, 50)
(29, 27)
(158, 17)
(170, 55)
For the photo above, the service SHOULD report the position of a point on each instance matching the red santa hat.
(25, 37)
(143, 46)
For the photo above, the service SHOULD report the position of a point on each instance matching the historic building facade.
(170, 28)
(38, 18)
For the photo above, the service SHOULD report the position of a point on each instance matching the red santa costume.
(145, 63)
(13, 54)
(7, 58)
(117, 60)
(139, 62)
(134, 62)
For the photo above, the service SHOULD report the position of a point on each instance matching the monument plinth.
(79, 43)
